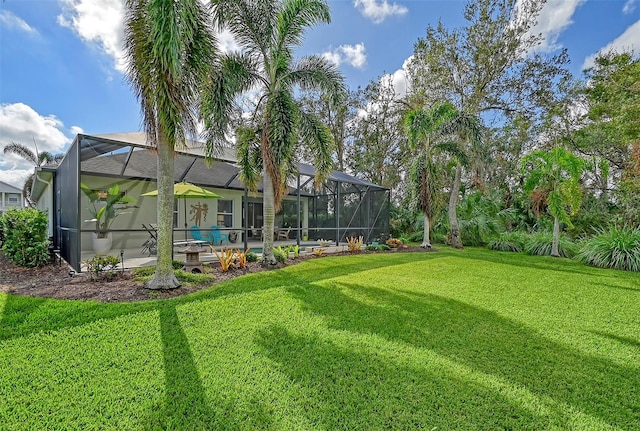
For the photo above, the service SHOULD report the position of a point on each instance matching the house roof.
(8, 188)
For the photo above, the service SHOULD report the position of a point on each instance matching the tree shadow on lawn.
(349, 389)
(526, 261)
(25, 315)
(485, 342)
(186, 405)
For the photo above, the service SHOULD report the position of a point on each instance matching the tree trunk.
(164, 278)
(556, 238)
(456, 241)
(269, 215)
(426, 241)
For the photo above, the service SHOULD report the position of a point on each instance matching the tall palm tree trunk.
(163, 278)
(269, 216)
(426, 241)
(456, 241)
(555, 252)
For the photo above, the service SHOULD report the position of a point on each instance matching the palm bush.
(617, 248)
(541, 243)
(509, 241)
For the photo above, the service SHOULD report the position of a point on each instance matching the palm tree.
(555, 175)
(37, 158)
(268, 31)
(439, 130)
(170, 50)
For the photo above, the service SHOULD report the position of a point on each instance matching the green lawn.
(449, 340)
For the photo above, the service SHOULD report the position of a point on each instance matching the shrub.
(617, 248)
(176, 264)
(225, 257)
(280, 254)
(394, 242)
(102, 267)
(241, 258)
(378, 247)
(539, 244)
(509, 241)
(355, 244)
(25, 232)
(251, 256)
(416, 237)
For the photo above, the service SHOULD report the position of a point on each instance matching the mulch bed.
(54, 281)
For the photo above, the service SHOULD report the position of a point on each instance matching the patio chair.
(196, 234)
(283, 234)
(151, 244)
(257, 233)
(216, 237)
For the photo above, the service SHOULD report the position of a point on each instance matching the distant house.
(10, 197)
(343, 206)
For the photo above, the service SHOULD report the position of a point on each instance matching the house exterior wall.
(10, 197)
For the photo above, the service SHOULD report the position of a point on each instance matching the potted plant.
(105, 207)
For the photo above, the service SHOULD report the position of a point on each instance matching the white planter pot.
(101, 245)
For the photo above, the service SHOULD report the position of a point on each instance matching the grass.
(449, 340)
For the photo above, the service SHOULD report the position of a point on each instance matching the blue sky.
(61, 65)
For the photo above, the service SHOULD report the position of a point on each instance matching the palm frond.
(22, 151)
(316, 72)
(295, 16)
(318, 136)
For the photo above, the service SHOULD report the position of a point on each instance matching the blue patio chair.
(196, 234)
(216, 237)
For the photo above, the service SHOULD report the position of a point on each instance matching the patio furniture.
(256, 233)
(283, 234)
(216, 237)
(196, 234)
(151, 244)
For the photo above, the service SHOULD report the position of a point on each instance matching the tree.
(377, 147)
(487, 68)
(555, 177)
(268, 145)
(336, 113)
(38, 159)
(426, 130)
(170, 50)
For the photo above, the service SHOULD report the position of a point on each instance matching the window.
(14, 199)
(225, 213)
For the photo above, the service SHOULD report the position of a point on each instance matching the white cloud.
(76, 130)
(629, 6)
(554, 18)
(99, 23)
(378, 11)
(226, 42)
(355, 55)
(10, 20)
(21, 124)
(398, 79)
(627, 41)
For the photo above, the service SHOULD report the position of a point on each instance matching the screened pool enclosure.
(81, 185)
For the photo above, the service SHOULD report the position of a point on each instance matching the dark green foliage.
(378, 247)
(508, 241)
(103, 267)
(539, 244)
(25, 232)
(618, 248)
(251, 256)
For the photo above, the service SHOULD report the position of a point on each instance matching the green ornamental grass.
(540, 243)
(618, 248)
(453, 340)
